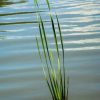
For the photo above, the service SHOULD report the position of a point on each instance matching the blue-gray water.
(21, 76)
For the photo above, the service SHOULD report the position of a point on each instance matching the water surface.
(21, 76)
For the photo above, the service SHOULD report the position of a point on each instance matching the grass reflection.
(9, 2)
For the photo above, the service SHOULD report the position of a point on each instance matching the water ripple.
(21, 76)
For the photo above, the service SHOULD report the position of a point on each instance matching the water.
(21, 76)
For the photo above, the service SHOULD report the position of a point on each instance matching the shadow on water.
(9, 2)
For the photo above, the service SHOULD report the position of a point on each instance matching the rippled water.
(21, 76)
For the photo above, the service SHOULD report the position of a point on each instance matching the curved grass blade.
(56, 85)
(55, 38)
(47, 1)
(42, 31)
(43, 69)
(45, 38)
(51, 84)
(61, 39)
(57, 90)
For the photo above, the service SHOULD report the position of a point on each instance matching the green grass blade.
(55, 37)
(55, 85)
(50, 77)
(44, 70)
(49, 86)
(60, 79)
(42, 31)
(35, 2)
(61, 39)
(38, 49)
(47, 1)
(55, 82)
(43, 45)
(51, 56)
(67, 88)
(45, 38)
(48, 80)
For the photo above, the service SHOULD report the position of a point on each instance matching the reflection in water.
(9, 2)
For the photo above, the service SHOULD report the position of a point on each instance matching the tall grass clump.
(55, 78)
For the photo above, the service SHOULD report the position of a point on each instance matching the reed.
(55, 79)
